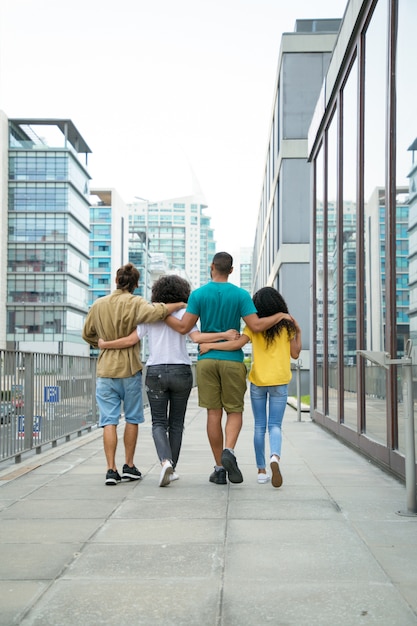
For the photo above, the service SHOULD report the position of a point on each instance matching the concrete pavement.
(328, 548)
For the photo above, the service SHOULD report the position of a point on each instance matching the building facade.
(245, 268)
(47, 236)
(358, 148)
(177, 228)
(412, 233)
(108, 240)
(281, 256)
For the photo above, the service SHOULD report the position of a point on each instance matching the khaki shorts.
(221, 385)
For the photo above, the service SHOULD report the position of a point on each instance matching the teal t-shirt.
(220, 306)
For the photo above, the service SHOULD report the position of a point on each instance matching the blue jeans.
(168, 388)
(268, 406)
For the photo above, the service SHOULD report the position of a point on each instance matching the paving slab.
(328, 548)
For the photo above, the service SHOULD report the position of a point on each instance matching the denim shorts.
(111, 392)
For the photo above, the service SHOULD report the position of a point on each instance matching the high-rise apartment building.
(177, 228)
(375, 269)
(108, 240)
(242, 268)
(413, 247)
(48, 236)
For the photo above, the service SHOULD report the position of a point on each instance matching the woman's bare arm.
(199, 337)
(123, 342)
(235, 344)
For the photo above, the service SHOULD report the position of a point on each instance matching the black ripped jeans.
(168, 388)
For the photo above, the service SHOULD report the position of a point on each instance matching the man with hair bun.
(119, 372)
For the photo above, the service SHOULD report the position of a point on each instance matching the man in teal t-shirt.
(221, 374)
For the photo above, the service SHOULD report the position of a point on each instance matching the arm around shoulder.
(184, 325)
(296, 345)
(259, 324)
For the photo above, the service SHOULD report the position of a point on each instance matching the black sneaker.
(112, 477)
(130, 473)
(230, 465)
(218, 477)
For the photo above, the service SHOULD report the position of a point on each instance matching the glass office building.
(48, 237)
(359, 143)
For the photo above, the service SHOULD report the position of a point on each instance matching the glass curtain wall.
(361, 245)
(332, 295)
(319, 281)
(406, 133)
(349, 124)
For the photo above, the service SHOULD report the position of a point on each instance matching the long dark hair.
(171, 288)
(269, 301)
(127, 277)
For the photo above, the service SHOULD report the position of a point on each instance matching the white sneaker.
(166, 472)
(173, 476)
(263, 478)
(276, 473)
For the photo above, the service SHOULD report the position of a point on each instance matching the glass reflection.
(350, 131)
(319, 280)
(375, 89)
(332, 266)
(406, 177)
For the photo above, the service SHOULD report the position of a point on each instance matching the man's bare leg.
(130, 439)
(215, 433)
(110, 445)
(228, 459)
(233, 428)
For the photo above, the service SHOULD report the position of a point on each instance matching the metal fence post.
(383, 359)
(409, 436)
(29, 399)
(298, 375)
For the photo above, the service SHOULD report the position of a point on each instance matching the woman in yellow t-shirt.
(269, 376)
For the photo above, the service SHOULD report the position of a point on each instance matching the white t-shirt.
(165, 344)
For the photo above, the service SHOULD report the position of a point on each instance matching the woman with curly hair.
(169, 377)
(269, 376)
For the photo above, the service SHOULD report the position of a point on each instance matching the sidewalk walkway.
(328, 548)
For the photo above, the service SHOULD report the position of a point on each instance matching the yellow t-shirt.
(271, 364)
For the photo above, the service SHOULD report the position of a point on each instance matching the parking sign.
(51, 394)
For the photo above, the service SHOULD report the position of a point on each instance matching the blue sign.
(51, 394)
(37, 419)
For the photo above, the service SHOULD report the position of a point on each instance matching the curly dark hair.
(127, 277)
(269, 301)
(170, 288)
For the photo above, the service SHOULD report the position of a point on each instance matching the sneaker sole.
(276, 479)
(164, 481)
(230, 465)
(129, 477)
(111, 482)
(218, 482)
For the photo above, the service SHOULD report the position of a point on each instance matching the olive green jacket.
(115, 316)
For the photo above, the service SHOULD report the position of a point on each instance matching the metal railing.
(44, 398)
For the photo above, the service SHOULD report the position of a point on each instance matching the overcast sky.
(170, 95)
